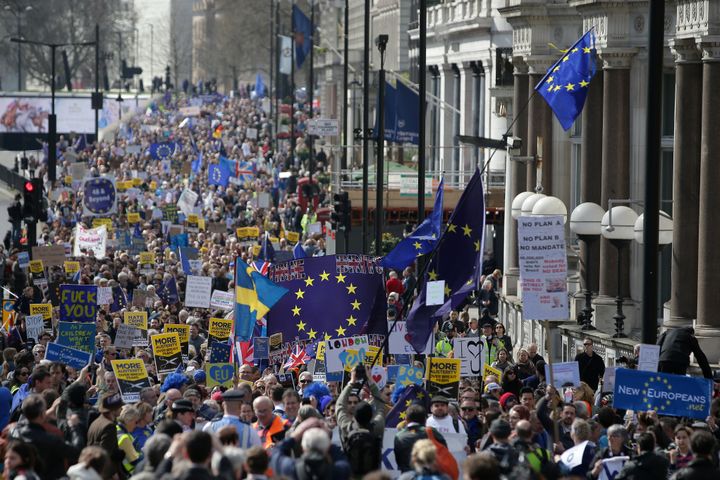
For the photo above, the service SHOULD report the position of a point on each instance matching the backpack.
(363, 450)
(313, 467)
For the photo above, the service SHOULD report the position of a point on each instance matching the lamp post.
(585, 222)
(529, 203)
(18, 16)
(381, 43)
(618, 226)
(665, 236)
(517, 203)
(550, 207)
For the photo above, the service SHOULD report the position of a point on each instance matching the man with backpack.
(414, 430)
(361, 433)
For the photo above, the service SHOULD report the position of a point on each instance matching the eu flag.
(168, 291)
(255, 295)
(162, 151)
(218, 175)
(196, 164)
(119, 299)
(564, 87)
(298, 251)
(411, 394)
(331, 296)
(454, 260)
(421, 241)
(407, 113)
(303, 29)
(260, 89)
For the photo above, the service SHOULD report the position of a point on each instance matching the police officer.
(232, 403)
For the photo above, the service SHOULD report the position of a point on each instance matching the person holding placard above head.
(676, 345)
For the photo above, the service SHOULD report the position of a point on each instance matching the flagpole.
(366, 123)
(272, 67)
(278, 51)
(422, 84)
(311, 88)
(344, 158)
(292, 94)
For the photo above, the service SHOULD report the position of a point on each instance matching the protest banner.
(398, 343)
(90, 240)
(193, 223)
(371, 353)
(292, 237)
(99, 196)
(334, 347)
(220, 352)
(147, 262)
(566, 374)
(217, 227)
(138, 320)
(133, 218)
(166, 350)
(198, 291)
(34, 325)
(665, 393)
(77, 335)
(247, 235)
(410, 375)
(132, 377)
(219, 374)
(611, 467)
(104, 295)
(468, 349)
(219, 329)
(170, 213)
(608, 380)
(379, 376)
(648, 358)
(71, 357)
(37, 273)
(126, 335)
(99, 222)
(456, 443)
(186, 202)
(23, 260)
(71, 268)
(351, 358)
(443, 377)
(139, 298)
(78, 303)
(573, 457)
(50, 255)
(543, 268)
(261, 347)
(44, 309)
(488, 370)
(222, 300)
(183, 332)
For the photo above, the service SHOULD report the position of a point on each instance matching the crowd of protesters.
(59, 422)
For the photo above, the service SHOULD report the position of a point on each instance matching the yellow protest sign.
(219, 329)
(132, 377)
(292, 237)
(256, 250)
(274, 240)
(36, 266)
(121, 186)
(488, 370)
(166, 350)
(44, 309)
(147, 262)
(443, 377)
(99, 222)
(320, 352)
(68, 180)
(247, 233)
(201, 224)
(71, 268)
(136, 182)
(370, 355)
(192, 219)
(153, 185)
(183, 332)
(219, 374)
(138, 320)
(133, 218)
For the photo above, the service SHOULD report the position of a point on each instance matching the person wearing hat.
(232, 404)
(494, 390)
(440, 419)
(103, 432)
(444, 346)
(183, 412)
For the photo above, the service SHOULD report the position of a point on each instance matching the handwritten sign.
(198, 291)
(80, 336)
(78, 303)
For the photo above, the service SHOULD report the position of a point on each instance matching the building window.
(503, 68)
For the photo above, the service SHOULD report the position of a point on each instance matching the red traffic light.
(29, 187)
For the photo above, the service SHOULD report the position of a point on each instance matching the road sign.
(323, 127)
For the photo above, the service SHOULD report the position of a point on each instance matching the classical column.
(515, 179)
(708, 299)
(466, 114)
(447, 118)
(590, 171)
(686, 178)
(539, 129)
(615, 181)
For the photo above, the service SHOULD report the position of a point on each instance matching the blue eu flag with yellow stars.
(162, 151)
(564, 87)
(454, 260)
(409, 395)
(331, 296)
(255, 295)
(421, 240)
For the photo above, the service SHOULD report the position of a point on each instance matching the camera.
(360, 375)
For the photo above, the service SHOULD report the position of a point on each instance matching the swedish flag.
(564, 87)
(255, 295)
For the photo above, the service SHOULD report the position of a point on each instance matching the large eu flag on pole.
(162, 151)
(454, 260)
(331, 296)
(303, 28)
(255, 295)
(564, 87)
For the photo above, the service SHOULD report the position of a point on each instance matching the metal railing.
(11, 178)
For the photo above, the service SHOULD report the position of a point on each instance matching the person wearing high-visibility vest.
(126, 423)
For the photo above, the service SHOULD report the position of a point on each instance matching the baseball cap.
(492, 386)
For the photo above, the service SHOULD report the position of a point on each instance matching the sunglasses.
(468, 409)
(305, 381)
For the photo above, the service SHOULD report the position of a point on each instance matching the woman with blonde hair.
(423, 459)
(127, 422)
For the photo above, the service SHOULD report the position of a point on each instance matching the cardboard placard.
(51, 255)
(132, 378)
(167, 353)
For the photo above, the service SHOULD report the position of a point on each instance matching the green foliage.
(389, 241)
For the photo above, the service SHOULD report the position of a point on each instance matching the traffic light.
(340, 217)
(33, 201)
(28, 199)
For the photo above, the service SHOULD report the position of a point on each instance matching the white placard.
(323, 127)
(456, 443)
(572, 457)
(264, 200)
(564, 374)
(186, 202)
(543, 268)
(198, 291)
(251, 133)
(608, 381)
(334, 347)
(379, 376)
(468, 350)
(314, 228)
(435, 293)
(104, 295)
(125, 336)
(93, 239)
(611, 467)
(649, 357)
(34, 326)
(398, 344)
(222, 300)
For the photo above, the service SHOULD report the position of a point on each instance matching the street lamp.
(550, 207)
(665, 230)
(18, 16)
(618, 226)
(585, 222)
(529, 204)
(517, 203)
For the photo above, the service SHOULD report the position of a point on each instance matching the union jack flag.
(297, 358)
(246, 352)
(261, 267)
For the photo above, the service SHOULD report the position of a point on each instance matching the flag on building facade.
(303, 29)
